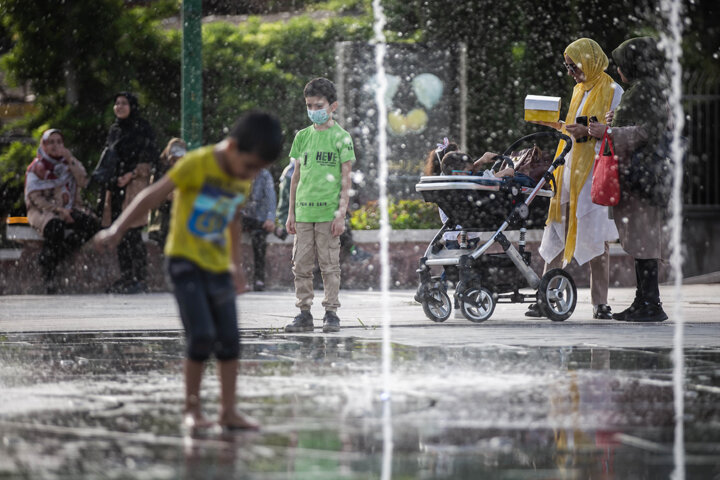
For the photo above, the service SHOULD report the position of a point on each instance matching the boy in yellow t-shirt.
(209, 185)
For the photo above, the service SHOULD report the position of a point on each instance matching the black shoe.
(259, 286)
(622, 316)
(602, 312)
(533, 311)
(357, 255)
(155, 237)
(649, 312)
(134, 288)
(331, 322)
(118, 286)
(302, 323)
(281, 233)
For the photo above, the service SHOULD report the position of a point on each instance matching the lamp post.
(192, 89)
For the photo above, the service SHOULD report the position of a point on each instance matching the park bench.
(20, 231)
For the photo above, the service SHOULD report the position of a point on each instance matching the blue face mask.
(319, 116)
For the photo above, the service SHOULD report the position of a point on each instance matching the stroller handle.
(560, 136)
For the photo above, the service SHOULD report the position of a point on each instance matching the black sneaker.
(259, 286)
(533, 311)
(622, 316)
(358, 255)
(135, 288)
(281, 233)
(331, 322)
(649, 312)
(602, 312)
(302, 323)
(118, 286)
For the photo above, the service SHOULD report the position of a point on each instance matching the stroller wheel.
(436, 304)
(557, 295)
(479, 305)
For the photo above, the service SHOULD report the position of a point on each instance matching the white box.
(540, 107)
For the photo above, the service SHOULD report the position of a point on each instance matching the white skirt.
(594, 228)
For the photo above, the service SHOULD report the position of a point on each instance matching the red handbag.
(605, 189)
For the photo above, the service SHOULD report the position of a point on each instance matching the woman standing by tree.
(133, 142)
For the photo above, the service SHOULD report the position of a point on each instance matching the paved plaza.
(362, 314)
(91, 387)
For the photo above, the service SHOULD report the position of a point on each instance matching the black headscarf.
(133, 140)
(645, 102)
(132, 137)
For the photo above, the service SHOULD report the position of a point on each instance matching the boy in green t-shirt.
(209, 186)
(319, 194)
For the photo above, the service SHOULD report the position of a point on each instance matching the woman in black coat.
(640, 126)
(133, 141)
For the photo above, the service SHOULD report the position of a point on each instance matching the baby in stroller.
(525, 167)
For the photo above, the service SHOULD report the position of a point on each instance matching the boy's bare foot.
(238, 421)
(195, 421)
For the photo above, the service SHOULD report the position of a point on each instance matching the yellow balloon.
(417, 119)
(396, 122)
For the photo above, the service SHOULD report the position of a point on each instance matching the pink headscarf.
(46, 172)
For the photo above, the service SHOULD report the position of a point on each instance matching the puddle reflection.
(105, 405)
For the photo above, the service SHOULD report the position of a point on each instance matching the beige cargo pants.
(314, 240)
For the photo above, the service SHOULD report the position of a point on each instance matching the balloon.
(428, 89)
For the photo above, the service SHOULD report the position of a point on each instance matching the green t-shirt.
(320, 155)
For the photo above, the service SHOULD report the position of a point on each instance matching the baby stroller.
(485, 279)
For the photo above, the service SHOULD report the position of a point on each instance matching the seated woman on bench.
(52, 197)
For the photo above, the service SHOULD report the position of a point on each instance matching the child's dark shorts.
(206, 302)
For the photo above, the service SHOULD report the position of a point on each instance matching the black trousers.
(132, 256)
(646, 276)
(131, 251)
(258, 238)
(62, 239)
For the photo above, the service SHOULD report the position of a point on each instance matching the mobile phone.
(593, 119)
(582, 120)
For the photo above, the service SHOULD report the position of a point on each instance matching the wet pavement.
(91, 387)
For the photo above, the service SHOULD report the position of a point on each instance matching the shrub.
(13, 163)
(404, 215)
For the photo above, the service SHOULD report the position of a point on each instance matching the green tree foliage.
(260, 64)
(13, 163)
(515, 48)
(75, 56)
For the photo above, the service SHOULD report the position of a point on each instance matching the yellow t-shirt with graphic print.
(204, 203)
